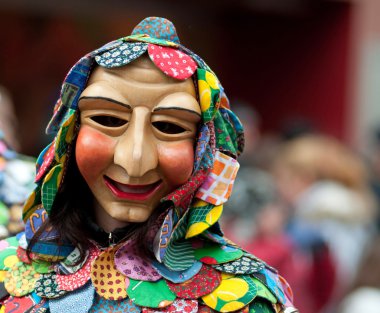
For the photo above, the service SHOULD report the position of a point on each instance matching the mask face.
(136, 141)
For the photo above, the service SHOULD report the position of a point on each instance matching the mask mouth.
(132, 192)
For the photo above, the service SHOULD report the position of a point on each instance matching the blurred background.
(304, 75)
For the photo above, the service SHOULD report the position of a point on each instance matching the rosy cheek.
(176, 162)
(94, 152)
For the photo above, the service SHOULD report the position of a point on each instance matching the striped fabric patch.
(179, 255)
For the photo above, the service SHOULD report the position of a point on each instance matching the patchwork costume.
(194, 268)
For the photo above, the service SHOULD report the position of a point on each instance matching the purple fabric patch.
(129, 263)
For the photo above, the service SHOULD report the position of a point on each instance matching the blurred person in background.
(325, 188)
(16, 170)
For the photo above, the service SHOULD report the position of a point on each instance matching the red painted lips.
(132, 192)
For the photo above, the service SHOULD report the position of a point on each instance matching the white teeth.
(127, 189)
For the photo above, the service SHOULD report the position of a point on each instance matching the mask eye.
(168, 128)
(109, 121)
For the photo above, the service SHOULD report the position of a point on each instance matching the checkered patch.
(218, 185)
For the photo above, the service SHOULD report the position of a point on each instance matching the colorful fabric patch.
(44, 161)
(50, 186)
(32, 203)
(201, 284)
(226, 138)
(8, 253)
(157, 27)
(129, 263)
(78, 301)
(23, 255)
(20, 279)
(178, 306)
(172, 62)
(70, 265)
(50, 251)
(31, 303)
(63, 139)
(260, 306)
(211, 253)
(201, 217)
(209, 94)
(46, 286)
(272, 281)
(160, 295)
(217, 187)
(108, 281)
(263, 291)
(177, 276)
(34, 222)
(42, 267)
(179, 255)
(161, 240)
(79, 278)
(244, 265)
(102, 305)
(122, 54)
(287, 290)
(233, 294)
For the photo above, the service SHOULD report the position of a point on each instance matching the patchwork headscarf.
(196, 269)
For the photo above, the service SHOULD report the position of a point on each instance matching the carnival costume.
(194, 268)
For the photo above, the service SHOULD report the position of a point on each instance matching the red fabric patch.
(78, 279)
(48, 158)
(199, 285)
(172, 62)
(23, 256)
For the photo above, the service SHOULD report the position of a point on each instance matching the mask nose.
(136, 150)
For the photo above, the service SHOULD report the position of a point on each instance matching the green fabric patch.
(8, 251)
(260, 306)
(155, 41)
(150, 294)
(209, 94)
(50, 187)
(4, 214)
(42, 267)
(20, 279)
(212, 253)
(244, 266)
(263, 291)
(46, 287)
(225, 135)
(179, 255)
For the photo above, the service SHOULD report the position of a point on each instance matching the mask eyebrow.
(176, 108)
(106, 99)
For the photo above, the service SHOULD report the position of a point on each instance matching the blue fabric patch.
(122, 54)
(78, 301)
(157, 27)
(177, 276)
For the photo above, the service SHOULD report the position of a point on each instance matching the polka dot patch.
(201, 284)
(178, 306)
(108, 281)
(20, 280)
(121, 55)
(172, 62)
(129, 263)
(78, 279)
